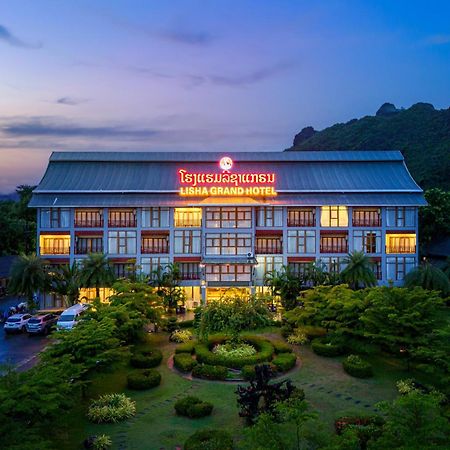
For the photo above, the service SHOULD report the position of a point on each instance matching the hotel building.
(227, 219)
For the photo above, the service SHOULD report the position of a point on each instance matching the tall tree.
(66, 280)
(285, 284)
(96, 272)
(429, 277)
(167, 282)
(29, 275)
(358, 272)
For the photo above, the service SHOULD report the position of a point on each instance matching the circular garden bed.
(221, 358)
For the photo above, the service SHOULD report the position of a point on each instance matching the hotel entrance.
(217, 293)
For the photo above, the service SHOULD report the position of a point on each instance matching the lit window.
(400, 243)
(334, 216)
(54, 244)
(188, 217)
(228, 272)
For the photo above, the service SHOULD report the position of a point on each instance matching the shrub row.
(281, 347)
(264, 353)
(323, 347)
(210, 372)
(209, 439)
(187, 347)
(184, 362)
(186, 323)
(146, 359)
(284, 361)
(357, 367)
(193, 407)
(144, 379)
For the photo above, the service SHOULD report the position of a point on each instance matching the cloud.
(9, 38)
(69, 101)
(438, 39)
(188, 37)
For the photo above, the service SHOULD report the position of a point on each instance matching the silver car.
(16, 323)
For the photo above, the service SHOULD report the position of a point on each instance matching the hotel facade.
(227, 219)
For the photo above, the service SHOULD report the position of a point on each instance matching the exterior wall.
(201, 284)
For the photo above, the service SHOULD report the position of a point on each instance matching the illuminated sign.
(195, 184)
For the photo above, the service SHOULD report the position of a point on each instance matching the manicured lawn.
(328, 388)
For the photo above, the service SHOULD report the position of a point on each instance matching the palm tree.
(358, 273)
(29, 274)
(428, 277)
(166, 280)
(285, 284)
(96, 272)
(66, 281)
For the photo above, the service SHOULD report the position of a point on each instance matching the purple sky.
(205, 75)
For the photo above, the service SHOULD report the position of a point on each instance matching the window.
(228, 243)
(269, 244)
(301, 217)
(376, 269)
(367, 241)
(54, 244)
(401, 217)
(150, 264)
(155, 244)
(301, 241)
(122, 218)
(366, 217)
(267, 264)
(122, 242)
(88, 218)
(334, 216)
(55, 218)
(400, 243)
(189, 271)
(188, 217)
(85, 245)
(269, 216)
(333, 243)
(228, 217)
(399, 266)
(155, 217)
(333, 264)
(123, 270)
(228, 272)
(299, 268)
(187, 241)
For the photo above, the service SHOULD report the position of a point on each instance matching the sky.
(215, 75)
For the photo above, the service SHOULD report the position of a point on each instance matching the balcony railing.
(337, 247)
(122, 223)
(190, 275)
(367, 222)
(86, 249)
(308, 221)
(269, 249)
(401, 249)
(88, 223)
(147, 249)
(55, 250)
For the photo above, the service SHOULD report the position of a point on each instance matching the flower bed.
(234, 351)
(357, 367)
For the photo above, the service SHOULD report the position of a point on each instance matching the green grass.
(156, 425)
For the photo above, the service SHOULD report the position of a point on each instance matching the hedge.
(284, 361)
(144, 379)
(313, 332)
(186, 323)
(193, 407)
(205, 355)
(323, 347)
(249, 373)
(210, 372)
(281, 347)
(146, 359)
(357, 367)
(184, 362)
(212, 439)
(187, 347)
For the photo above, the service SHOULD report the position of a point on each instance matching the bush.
(184, 362)
(186, 323)
(248, 372)
(101, 442)
(171, 324)
(111, 408)
(209, 439)
(264, 353)
(144, 379)
(210, 372)
(281, 347)
(180, 336)
(325, 347)
(367, 428)
(146, 359)
(229, 350)
(298, 337)
(187, 347)
(286, 330)
(313, 332)
(284, 361)
(193, 407)
(357, 367)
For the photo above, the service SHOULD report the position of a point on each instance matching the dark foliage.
(357, 367)
(209, 439)
(145, 379)
(193, 407)
(284, 361)
(184, 362)
(210, 372)
(146, 359)
(324, 347)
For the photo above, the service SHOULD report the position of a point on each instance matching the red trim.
(301, 259)
(187, 259)
(49, 233)
(155, 233)
(334, 232)
(400, 231)
(89, 233)
(269, 232)
(56, 260)
(123, 260)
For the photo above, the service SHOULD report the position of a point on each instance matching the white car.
(16, 323)
(70, 317)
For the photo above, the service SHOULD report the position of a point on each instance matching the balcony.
(301, 218)
(187, 276)
(55, 250)
(367, 222)
(333, 245)
(122, 223)
(89, 223)
(152, 245)
(86, 248)
(400, 249)
(401, 243)
(269, 246)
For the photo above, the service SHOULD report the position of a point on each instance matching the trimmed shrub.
(186, 323)
(180, 336)
(187, 347)
(284, 361)
(286, 330)
(111, 408)
(193, 407)
(324, 347)
(210, 372)
(212, 439)
(264, 353)
(357, 367)
(313, 332)
(146, 359)
(184, 362)
(281, 347)
(145, 379)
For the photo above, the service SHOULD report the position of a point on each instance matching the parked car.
(41, 323)
(16, 323)
(70, 317)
